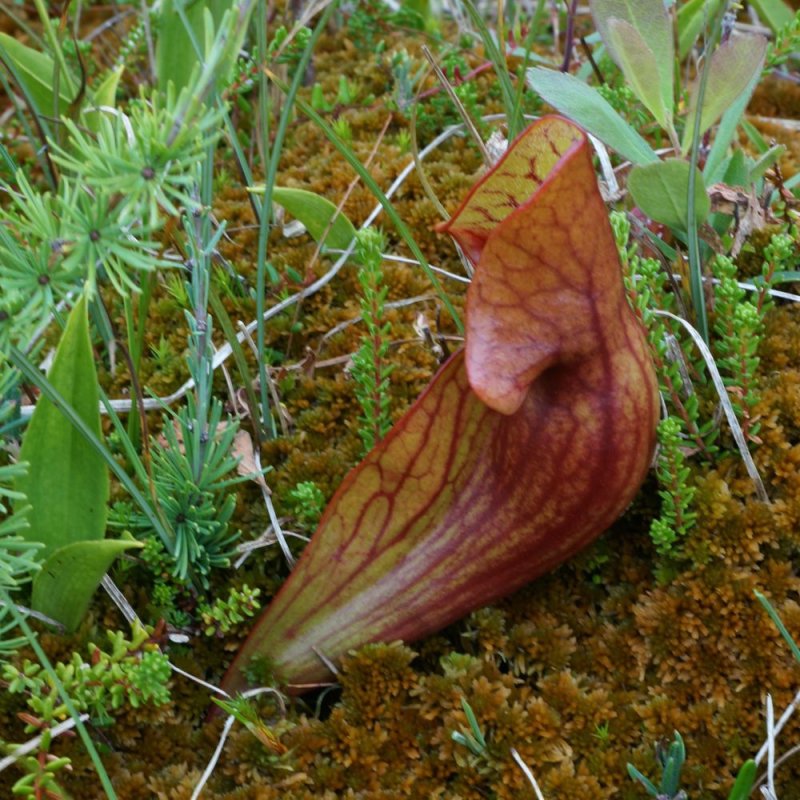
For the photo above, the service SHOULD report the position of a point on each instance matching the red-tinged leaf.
(511, 182)
(493, 479)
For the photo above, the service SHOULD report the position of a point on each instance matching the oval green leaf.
(662, 192)
(316, 213)
(643, 48)
(640, 68)
(744, 781)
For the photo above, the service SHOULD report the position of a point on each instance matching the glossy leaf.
(63, 587)
(523, 449)
(733, 66)
(579, 102)
(744, 781)
(662, 190)
(638, 36)
(67, 480)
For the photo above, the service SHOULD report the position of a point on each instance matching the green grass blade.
(495, 54)
(266, 204)
(778, 622)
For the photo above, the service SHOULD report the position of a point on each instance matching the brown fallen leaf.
(744, 207)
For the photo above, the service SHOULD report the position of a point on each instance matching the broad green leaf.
(316, 212)
(638, 64)
(584, 105)
(63, 587)
(176, 56)
(775, 13)
(693, 17)
(661, 191)
(67, 480)
(35, 72)
(652, 24)
(730, 76)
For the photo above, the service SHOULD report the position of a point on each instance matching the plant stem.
(55, 45)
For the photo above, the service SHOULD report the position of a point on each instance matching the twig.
(779, 726)
(32, 744)
(527, 772)
(770, 749)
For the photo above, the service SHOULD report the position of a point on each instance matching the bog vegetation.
(225, 278)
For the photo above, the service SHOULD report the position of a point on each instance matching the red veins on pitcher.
(526, 445)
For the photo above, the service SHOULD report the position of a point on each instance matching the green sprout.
(370, 370)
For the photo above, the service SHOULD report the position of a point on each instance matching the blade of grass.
(517, 115)
(462, 112)
(272, 171)
(50, 35)
(264, 215)
(221, 315)
(693, 240)
(495, 54)
(126, 443)
(778, 623)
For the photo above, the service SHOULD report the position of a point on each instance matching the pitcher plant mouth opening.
(526, 445)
